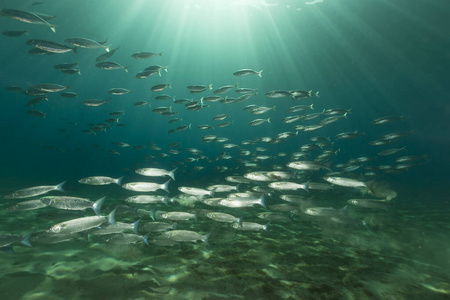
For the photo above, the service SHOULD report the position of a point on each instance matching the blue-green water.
(377, 58)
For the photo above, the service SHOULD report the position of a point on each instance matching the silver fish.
(147, 186)
(186, 236)
(100, 180)
(35, 191)
(82, 224)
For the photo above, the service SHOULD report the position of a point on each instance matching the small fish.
(126, 238)
(250, 226)
(106, 55)
(26, 205)
(195, 191)
(37, 113)
(385, 120)
(85, 43)
(146, 199)
(258, 122)
(247, 72)
(68, 94)
(73, 203)
(371, 203)
(390, 151)
(146, 186)
(100, 180)
(155, 172)
(347, 182)
(261, 110)
(246, 91)
(94, 102)
(48, 88)
(160, 87)
(278, 94)
(288, 186)
(145, 55)
(49, 46)
(325, 211)
(35, 191)
(178, 216)
(349, 135)
(109, 65)
(224, 89)
(222, 217)
(186, 236)
(26, 17)
(237, 202)
(14, 33)
(307, 165)
(193, 89)
(118, 91)
(82, 224)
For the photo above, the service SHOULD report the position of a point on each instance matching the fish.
(223, 217)
(146, 186)
(73, 203)
(109, 65)
(391, 151)
(26, 17)
(250, 226)
(199, 88)
(186, 236)
(385, 120)
(68, 94)
(247, 72)
(221, 188)
(118, 91)
(349, 135)
(126, 238)
(288, 186)
(160, 87)
(49, 46)
(146, 199)
(307, 165)
(35, 191)
(155, 172)
(278, 94)
(371, 203)
(224, 89)
(156, 226)
(94, 102)
(82, 224)
(85, 43)
(325, 211)
(346, 182)
(48, 88)
(37, 113)
(27, 205)
(15, 33)
(145, 55)
(273, 216)
(178, 216)
(258, 122)
(258, 176)
(246, 91)
(106, 55)
(9, 239)
(196, 191)
(65, 66)
(261, 110)
(237, 202)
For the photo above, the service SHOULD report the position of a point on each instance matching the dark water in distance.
(377, 58)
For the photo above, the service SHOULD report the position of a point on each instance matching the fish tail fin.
(259, 73)
(205, 238)
(172, 173)
(118, 181)
(240, 222)
(59, 187)
(112, 217)
(107, 48)
(26, 240)
(126, 69)
(166, 200)
(153, 214)
(262, 200)
(145, 238)
(266, 227)
(97, 207)
(268, 120)
(136, 226)
(196, 215)
(210, 86)
(317, 94)
(165, 186)
(53, 27)
(306, 186)
(160, 54)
